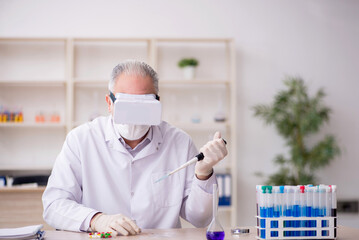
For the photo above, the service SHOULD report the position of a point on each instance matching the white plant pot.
(189, 72)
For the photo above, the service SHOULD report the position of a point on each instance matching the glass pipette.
(198, 157)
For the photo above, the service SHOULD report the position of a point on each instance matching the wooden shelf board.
(193, 82)
(32, 39)
(33, 83)
(111, 39)
(31, 125)
(193, 39)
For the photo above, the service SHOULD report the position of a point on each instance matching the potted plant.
(189, 66)
(297, 116)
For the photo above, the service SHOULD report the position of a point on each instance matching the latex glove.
(214, 151)
(115, 224)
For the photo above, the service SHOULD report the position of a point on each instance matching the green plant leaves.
(296, 116)
(188, 62)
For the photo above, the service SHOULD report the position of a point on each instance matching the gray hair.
(133, 67)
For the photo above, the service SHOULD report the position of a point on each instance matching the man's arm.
(197, 205)
(198, 199)
(63, 194)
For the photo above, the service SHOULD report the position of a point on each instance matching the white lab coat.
(95, 173)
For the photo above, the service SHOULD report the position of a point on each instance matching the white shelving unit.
(70, 76)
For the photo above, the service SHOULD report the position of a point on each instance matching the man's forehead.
(135, 83)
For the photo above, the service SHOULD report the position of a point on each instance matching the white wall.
(317, 40)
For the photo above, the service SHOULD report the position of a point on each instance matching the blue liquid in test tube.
(288, 204)
(270, 205)
(262, 202)
(322, 201)
(296, 208)
(277, 202)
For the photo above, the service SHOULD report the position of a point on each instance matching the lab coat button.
(132, 194)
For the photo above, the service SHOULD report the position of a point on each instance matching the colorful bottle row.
(297, 201)
(10, 116)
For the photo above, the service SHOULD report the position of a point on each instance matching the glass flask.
(215, 230)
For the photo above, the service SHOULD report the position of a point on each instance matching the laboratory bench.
(344, 233)
(23, 206)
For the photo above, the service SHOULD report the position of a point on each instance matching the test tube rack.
(297, 228)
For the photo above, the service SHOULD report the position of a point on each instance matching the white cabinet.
(69, 77)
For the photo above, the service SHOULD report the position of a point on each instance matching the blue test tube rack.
(293, 226)
(273, 228)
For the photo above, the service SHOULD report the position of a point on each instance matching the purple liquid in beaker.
(215, 235)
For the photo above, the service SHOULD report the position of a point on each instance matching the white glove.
(115, 224)
(214, 151)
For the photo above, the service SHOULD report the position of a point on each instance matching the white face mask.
(131, 132)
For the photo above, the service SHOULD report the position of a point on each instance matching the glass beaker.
(215, 230)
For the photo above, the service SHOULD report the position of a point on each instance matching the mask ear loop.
(113, 98)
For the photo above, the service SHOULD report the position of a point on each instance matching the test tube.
(328, 204)
(270, 203)
(309, 195)
(281, 197)
(288, 201)
(296, 202)
(262, 202)
(309, 207)
(303, 205)
(289, 204)
(277, 202)
(258, 190)
(296, 206)
(303, 201)
(322, 201)
(334, 201)
(315, 212)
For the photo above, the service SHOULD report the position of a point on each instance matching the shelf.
(194, 40)
(33, 83)
(193, 82)
(31, 125)
(111, 39)
(32, 39)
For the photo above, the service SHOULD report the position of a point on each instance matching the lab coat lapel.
(153, 146)
(112, 139)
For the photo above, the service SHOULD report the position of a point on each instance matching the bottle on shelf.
(220, 115)
(40, 118)
(196, 118)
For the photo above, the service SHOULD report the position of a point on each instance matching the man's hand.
(115, 224)
(214, 151)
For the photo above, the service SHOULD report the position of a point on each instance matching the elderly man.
(104, 178)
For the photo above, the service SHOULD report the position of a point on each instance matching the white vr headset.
(136, 109)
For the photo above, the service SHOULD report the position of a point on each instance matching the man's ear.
(109, 103)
